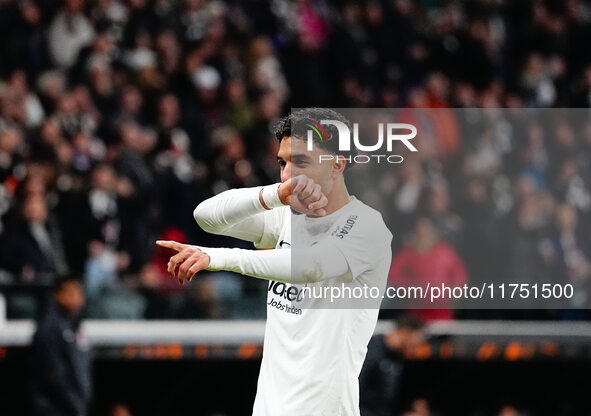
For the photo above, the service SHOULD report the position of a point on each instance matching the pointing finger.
(173, 245)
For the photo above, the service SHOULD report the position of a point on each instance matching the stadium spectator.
(32, 247)
(419, 407)
(447, 223)
(11, 142)
(91, 216)
(427, 259)
(521, 247)
(512, 411)
(61, 383)
(379, 381)
(566, 254)
(69, 31)
(120, 409)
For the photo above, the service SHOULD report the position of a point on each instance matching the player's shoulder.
(364, 221)
(369, 217)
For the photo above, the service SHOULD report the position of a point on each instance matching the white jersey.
(312, 357)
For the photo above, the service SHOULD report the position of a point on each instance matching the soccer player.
(312, 355)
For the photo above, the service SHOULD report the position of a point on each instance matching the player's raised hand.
(303, 195)
(187, 261)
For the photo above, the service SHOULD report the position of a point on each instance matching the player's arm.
(240, 213)
(333, 256)
(323, 261)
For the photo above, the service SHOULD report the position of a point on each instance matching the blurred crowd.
(118, 116)
(507, 201)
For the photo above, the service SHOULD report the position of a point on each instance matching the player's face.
(295, 159)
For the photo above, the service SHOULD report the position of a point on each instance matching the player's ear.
(339, 165)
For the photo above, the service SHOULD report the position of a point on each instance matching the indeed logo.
(291, 293)
(388, 134)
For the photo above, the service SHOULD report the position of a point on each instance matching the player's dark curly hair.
(295, 125)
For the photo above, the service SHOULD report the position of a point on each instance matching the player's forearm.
(229, 208)
(312, 264)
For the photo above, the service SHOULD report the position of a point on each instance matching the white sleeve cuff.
(271, 196)
(217, 257)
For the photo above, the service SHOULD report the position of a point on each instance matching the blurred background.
(118, 116)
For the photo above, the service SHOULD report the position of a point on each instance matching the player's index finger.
(170, 244)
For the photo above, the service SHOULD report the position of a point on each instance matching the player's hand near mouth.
(303, 195)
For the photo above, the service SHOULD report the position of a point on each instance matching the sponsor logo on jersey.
(288, 292)
(342, 230)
